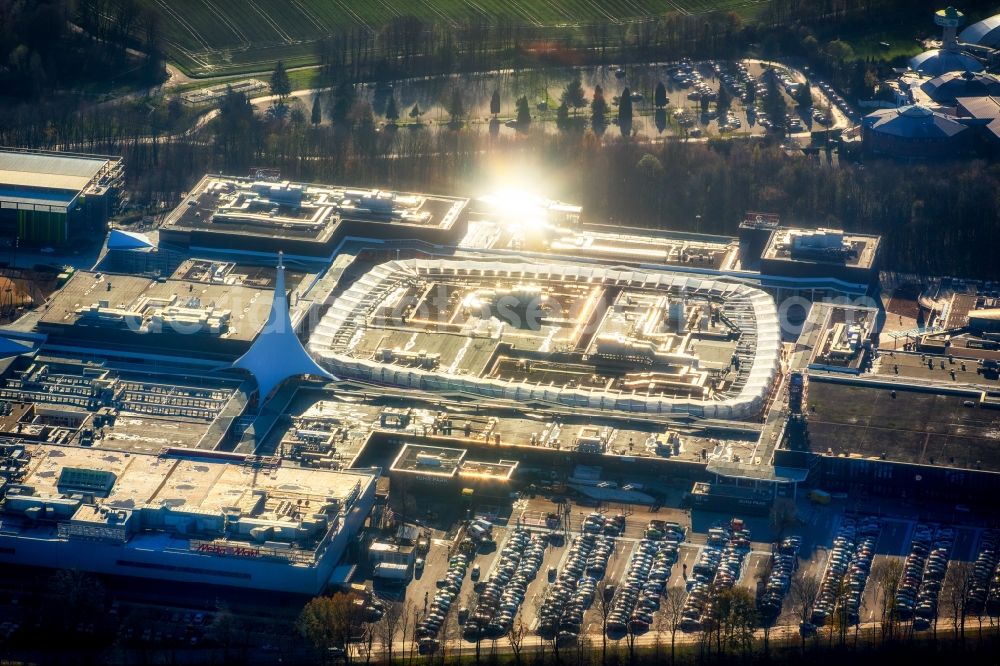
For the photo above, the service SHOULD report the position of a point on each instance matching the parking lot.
(549, 563)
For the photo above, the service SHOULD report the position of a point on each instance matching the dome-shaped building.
(941, 61)
(948, 58)
(983, 33)
(914, 132)
(945, 89)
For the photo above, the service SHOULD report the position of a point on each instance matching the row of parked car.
(984, 571)
(646, 578)
(913, 571)
(717, 567)
(993, 599)
(849, 565)
(598, 523)
(501, 596)
(562, 610)
(736, 77)
(687, 76)
(925, 610)
(838, 101)
(923, 571)
(784, 564)
(444, 598)
(735, 547)
(639, 595)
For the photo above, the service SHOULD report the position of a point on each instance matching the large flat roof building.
(44, 196)
(200, 517)
(246, 215)
(166, 315)
(793, 252)
(439, 465)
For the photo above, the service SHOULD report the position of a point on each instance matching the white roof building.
(277, 353)
(348, 314)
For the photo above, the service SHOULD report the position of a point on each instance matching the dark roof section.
(945, 89)
(982, 108)
(913, 122)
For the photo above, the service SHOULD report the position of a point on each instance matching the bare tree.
(603, 596)
(657, 628)
(583, 649)
(631, 635)
(766, 622)
(470, 602)
(841, 615)
(387, 628)
(537, 606)
(515, 638)
(457, 628)
(958, 581)
(802, 594)
(886, 575)
(670, 612)
(367, 644)
(413, 622)
(861, 613)
(444, 638)
(783, 515)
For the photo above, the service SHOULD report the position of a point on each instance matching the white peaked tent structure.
(277, 354)
(119, 239)
(10, 347)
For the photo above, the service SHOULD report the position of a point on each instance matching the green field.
(207, 37)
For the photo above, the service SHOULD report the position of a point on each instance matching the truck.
(819, 496)
(391, 572)
(796, 385)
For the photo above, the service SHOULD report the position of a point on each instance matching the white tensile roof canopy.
(277, 353)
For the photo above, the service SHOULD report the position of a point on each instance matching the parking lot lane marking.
(496, 554)
(834, 530)
(964, 548)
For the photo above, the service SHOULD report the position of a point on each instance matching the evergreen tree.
(495, 104)
(660, 97)
(562, 115)
(456, 107)
(774, 100)
(523, 111)
(804, 97)
(625, 109)
(391, 110)
(281, 86)
(723, 101)
(573, 95)
(343, 101)
(751, 92)
(317, 111)
(598, 109)
(415, 112)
